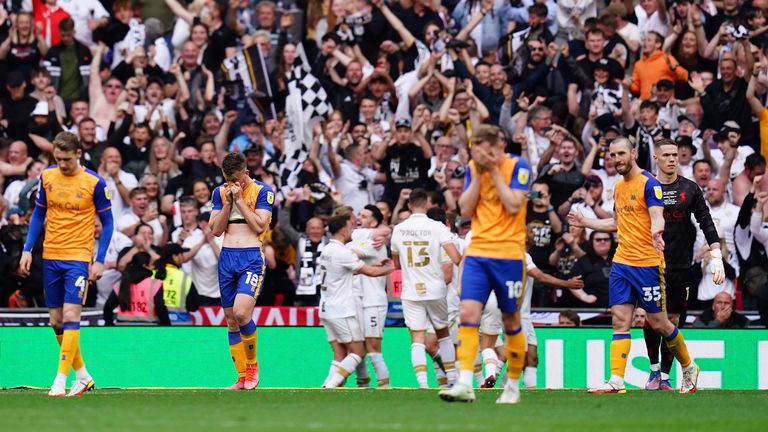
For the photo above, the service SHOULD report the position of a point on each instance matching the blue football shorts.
(241, 271)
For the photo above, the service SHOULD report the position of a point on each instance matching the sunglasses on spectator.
(535, 48)
(603, 239)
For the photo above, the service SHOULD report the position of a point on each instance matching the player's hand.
(716, 266)
(97, 269)
(590, 299)
(575, 283)
(183, 235)
(236, 191)
(25, 263)
(150, 215)
(658, 240)
(576, 218)
(386, 262)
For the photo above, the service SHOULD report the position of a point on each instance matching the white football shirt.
(525, 307)
(337, 266)
(418, 241)
(374, 289)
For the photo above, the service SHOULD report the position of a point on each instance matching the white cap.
(41, 109)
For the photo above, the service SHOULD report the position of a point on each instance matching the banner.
(262, 316)
(299, 357)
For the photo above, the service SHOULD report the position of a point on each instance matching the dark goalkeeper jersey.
(681, 199)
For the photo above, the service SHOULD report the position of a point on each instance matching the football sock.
(345, 368)
(620, 345)
(529, 377)
(334, 366)
(419, 361)
(69, 346)
(380, 367)
(516, 348)
(442, 378)
(468, 342)
(237, 352)
(652, 343)
(81, 373)
(448, 355)
(666, 361)
(490, 362)
(362, 375)
(248, 334)
(677, 346)
(478, 370)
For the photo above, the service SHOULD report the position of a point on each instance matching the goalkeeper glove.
(716, 266)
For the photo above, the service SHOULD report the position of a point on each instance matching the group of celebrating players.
(458, 294)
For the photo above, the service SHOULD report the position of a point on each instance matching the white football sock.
(363, 377)
(60, 382)
(529, 377)
(419, 361)
(490, 362)
(334, 367)
(346, 367)
(465, 377)
(82, 374)
(448, 354)
(380, 367)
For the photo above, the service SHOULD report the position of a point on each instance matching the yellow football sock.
(676, 344)
(77, 362)
(70, 345)
(237, 352)
(620, 346)
(468, 342)
(516, 348)
(248, 334)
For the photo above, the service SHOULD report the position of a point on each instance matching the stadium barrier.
(300, 356)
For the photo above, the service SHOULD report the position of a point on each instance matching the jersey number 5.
(421, 253)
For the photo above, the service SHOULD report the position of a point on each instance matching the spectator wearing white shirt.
(119, 183)
(202, 260)
(141, 212)
(88, 15)
(652, 16)
(112, 275)
(354, 180)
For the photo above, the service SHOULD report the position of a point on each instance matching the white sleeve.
(98, 10)
(394, 242)
(350, 261)
(162, 54)
(129, 180)
(529, 264)
(126, 220)
(444, 235)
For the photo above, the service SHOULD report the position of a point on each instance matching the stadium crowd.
(158, 93)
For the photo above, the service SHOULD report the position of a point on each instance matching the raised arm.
(754, 102)
(95, 91)
(394, 21)
(180, 11)
(576, 218)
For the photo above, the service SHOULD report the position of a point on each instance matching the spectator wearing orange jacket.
(655, 65)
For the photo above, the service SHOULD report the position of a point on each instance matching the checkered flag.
(306, 105)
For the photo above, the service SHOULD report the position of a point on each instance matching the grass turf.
(373, 410)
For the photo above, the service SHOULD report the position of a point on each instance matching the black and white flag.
(306, 105)
(247, 73)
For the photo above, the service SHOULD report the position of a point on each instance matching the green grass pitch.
(380, 410)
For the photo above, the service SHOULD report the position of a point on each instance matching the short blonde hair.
(67, 142)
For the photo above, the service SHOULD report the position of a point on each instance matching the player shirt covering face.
(374, 289)
(633, 199)
(71, 203)
(258, 196)
(337, 265)
(419, 243)
(495, 232)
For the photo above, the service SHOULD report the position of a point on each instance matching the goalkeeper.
(682, 198)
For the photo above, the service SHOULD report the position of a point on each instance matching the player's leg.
(74, 275)
(667, 357)
(531, 355)
(228, 290)
(249, 283)
(348, 334)
(678, 285)
(621, 297)
(490, 329)
(474, 294)
(337, 350)
(375, 317)
(653, 300)
(433, 351)
(362, 375)
(437, 311)
(652, 345)
(416, 320)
